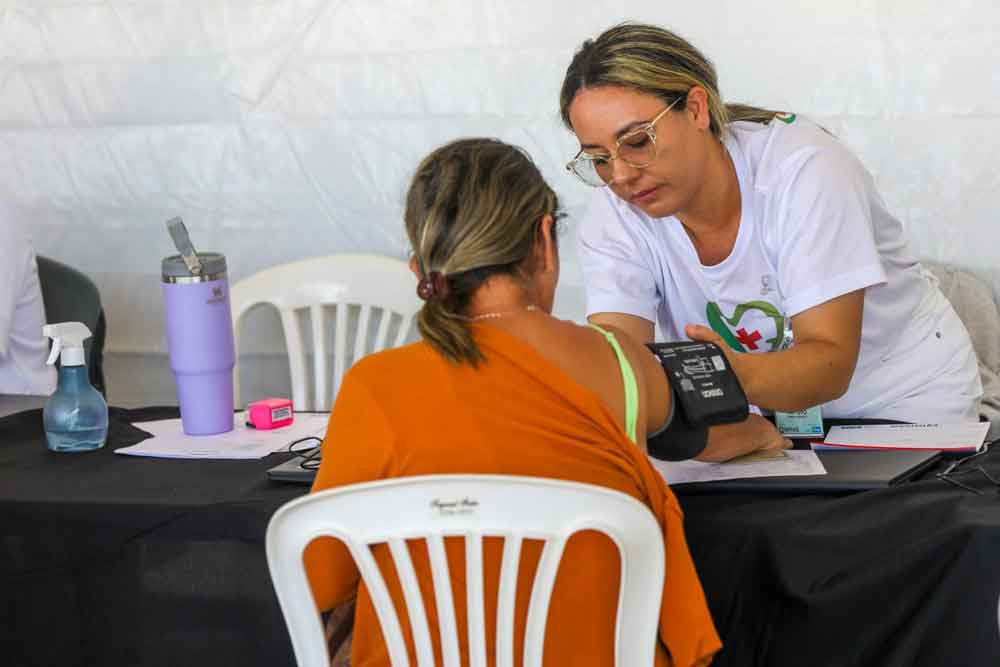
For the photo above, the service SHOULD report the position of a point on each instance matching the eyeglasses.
(966, 465)
(636, 149)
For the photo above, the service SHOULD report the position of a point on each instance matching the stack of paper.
(962, 437)
(170, 441)
(793, 462)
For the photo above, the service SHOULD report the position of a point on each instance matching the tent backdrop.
(281, 129)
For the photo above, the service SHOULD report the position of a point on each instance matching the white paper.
(170, 441)
(795, 462)
(952, 437)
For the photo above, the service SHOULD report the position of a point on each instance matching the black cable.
(959, 467)
(310, 455)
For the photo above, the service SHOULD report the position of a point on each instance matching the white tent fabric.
(286, 129)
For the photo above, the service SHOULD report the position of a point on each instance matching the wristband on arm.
(706, 392)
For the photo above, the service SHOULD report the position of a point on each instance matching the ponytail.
(448, 333)
(440, 321)
(749, 113)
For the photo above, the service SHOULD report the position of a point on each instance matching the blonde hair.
(473, 210)
(655, 61)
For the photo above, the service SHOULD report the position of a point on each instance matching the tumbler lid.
(213, 267)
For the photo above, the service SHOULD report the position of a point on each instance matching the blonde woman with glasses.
(755, 230)
(498, 385)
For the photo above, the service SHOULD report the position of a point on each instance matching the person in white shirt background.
(755, 230)
(23, 348)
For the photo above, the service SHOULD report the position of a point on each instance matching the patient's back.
(410, 412)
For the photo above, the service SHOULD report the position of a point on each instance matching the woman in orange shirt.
(500, 386)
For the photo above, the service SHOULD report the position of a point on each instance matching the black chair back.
(70, 296)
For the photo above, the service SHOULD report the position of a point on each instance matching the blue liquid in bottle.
(76, 415)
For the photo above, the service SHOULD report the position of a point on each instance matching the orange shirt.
(408, 411)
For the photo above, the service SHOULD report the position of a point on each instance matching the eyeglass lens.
(636, 149)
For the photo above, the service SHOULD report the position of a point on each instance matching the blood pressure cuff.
(706, 393)
(677, 441)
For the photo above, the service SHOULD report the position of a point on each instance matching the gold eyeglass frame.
(648, 128)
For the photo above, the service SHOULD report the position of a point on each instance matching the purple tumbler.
(200, 342)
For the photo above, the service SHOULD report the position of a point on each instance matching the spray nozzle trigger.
(56, 350)
(67, 340)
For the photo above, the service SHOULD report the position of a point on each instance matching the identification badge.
(804, 423)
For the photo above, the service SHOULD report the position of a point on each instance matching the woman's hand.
(704, 334)
(753, 434)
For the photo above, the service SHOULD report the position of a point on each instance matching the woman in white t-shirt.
(755, 230)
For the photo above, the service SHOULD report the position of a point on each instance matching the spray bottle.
(76, 415)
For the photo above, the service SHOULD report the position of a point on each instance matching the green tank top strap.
(628, 379)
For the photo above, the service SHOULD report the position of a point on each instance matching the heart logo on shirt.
(740, 338)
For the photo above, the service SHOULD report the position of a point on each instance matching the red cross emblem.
(748, 339)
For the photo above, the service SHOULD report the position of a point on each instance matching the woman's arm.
(656, 406)
(816, 369)
(655, 397)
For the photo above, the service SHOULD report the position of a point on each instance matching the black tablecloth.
(905, 576)
(119, 560)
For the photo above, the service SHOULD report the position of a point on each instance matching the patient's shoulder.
(585, 355)
(634, 351)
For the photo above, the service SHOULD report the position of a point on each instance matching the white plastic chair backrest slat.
(404, 329)
(414, 602)
(340, 344)
(444, 601)
(340, 281)
(538, 607)
(364, 322)
(384, 609)
(474, 599)
(506, 598)
(437, 506)
(296, 356)
(320, 373)
(382, 336)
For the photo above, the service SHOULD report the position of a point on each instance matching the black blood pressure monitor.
(707, 390)
(706, 393)
(704, 384)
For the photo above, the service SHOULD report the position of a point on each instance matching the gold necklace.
(499, 314)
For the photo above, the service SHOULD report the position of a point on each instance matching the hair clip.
(433, 285)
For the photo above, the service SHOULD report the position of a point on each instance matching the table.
(117, 560)
(905, 576)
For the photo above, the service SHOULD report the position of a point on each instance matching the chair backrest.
(70, 296)
(375, 295)
(433, 507)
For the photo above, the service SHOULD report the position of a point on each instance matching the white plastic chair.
(474, 506)
(379, 288)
